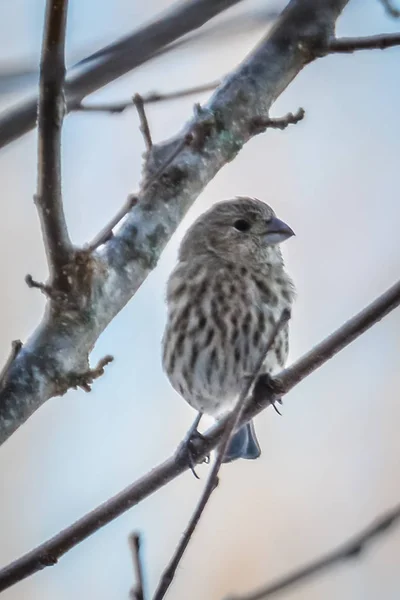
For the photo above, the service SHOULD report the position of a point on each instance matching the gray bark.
(104, 281)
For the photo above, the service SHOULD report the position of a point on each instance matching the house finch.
(224, 296)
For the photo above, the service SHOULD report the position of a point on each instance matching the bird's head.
(243, 230)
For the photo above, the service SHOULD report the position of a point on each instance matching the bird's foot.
(187, 452)
(267, 385)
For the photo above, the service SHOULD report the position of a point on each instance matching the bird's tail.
(243, 444)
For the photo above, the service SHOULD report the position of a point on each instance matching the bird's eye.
(241, 225)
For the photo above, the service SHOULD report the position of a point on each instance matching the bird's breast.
(217, 329)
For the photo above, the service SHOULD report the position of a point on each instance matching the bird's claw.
(264, 385)
(187, 451)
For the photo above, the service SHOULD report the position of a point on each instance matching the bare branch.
(260, 125)
(373, 42)
(212, 481)
(62, 343)
(51, 110)
(350, 550)
(49, 552)
(103, 67)
(151, 98)
(390, 9)
(144, 124)
(137, 592)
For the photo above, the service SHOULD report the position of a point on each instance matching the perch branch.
(350, 550)
(212, 481)
(137, 592)
(52, 550)
(51, 110)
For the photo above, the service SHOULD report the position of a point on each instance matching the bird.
(224, 297)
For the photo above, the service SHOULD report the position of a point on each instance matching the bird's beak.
(277, 232)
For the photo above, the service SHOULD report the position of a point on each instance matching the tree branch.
(51, 110)
(144, 124)
(62, 343)
(110, 63)
(151, 98)
(48, 553)
(390, 9)
(212, 481)
(373, 42)
(137, 592)
(350, 550)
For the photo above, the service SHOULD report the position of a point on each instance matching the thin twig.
(51, 109)
(212, 481)
(150, 98)
(390, 9)
(107, 232)
(374, 42)
(258, 125)
(144, 124)
(137, 592)
(49, 552)
(85, 380)
(352, 549)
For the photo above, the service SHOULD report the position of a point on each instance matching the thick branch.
(62, 342)
(119, 58)
(350, 550)
(212, 481)
(48, 553)
(51, 110)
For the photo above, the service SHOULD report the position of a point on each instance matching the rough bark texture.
(103, 282)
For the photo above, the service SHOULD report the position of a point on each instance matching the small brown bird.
(224, 296)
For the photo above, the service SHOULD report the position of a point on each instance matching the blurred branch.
(48, 553)
(137, 592)
(117, 59)
(252, 20)
(350, 550)
(151, 98)
(202, 11)
(212, 481)
(373, 42)
(390, 8)
(51, 110)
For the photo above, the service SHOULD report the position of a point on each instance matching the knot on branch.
(79, 274)
(259, 124)
(85, 379)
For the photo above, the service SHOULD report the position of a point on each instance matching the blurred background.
(331, 464)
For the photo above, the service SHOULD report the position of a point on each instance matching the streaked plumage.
(224, 296)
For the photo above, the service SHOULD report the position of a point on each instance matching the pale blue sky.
(332, 463)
